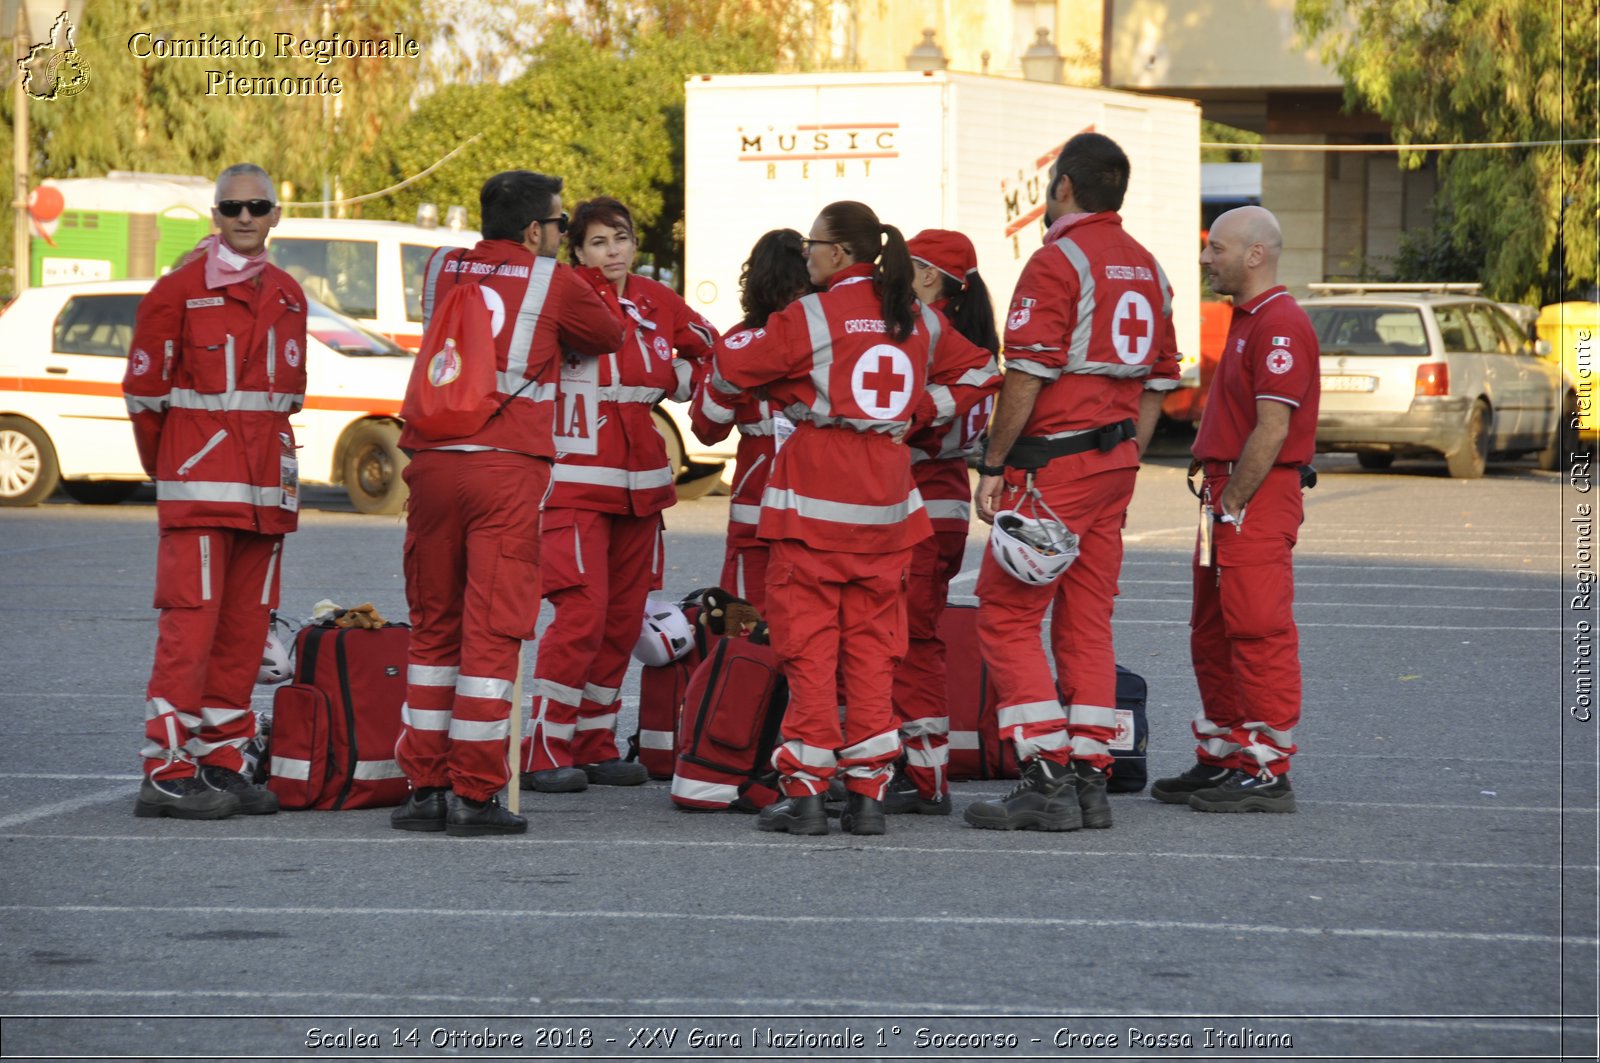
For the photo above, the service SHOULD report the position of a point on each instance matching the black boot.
(1045, 799)
(1175, 790)
(795, 815)
(1092, 796)
(424, 810)
(862, 815)
(467, 818)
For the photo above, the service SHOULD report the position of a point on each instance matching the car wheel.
(1374, 459)
(1471, 454)
(28, 469)
(373, 462)
(99, 492)
(1550, 457)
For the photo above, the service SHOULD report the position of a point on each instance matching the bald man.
(1258, 431)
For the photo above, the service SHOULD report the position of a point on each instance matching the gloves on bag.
(364, 615)
(724, 614)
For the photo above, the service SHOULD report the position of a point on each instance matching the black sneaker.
(616, 773)
(555, 780)
(902, 797)
(183, 798)
(1176, 789)
(1243, 792)
(1092, 796)
(795, 815)
(862, 815)
(466, 818)
(253, 800)
(424, 810)
(1045, 799)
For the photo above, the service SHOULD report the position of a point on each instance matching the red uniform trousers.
(472, 582)
(216, 589)
(837, 618)
(1243, 640)
(744, 572)
(1010, 615)
(921, 698)
(599, 570)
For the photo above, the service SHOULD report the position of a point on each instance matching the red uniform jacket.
(713, 416)
(540, 308)
(1092, 315)
(212, 377)
(939, 452)
(1272, 353)
(630, 473)
(843, 481)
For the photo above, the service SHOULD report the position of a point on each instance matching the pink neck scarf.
(225, 266)
(1061, 225)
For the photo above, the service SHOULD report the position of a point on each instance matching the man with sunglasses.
(472, 561)
(216, 368)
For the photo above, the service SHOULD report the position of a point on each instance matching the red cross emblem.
(882, 381)
(1280, 361)
(1132, 328)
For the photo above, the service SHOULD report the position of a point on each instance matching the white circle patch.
(497, 308)
(739, 340)
(1280, 361)
(444, 366)
(140, 362)
(1019, 318)
(882, 381)
(1133, 328)
(291, 353)
(663, 348)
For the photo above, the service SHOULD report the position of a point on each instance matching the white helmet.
(666, 635)
(1035, 549)
(277, 656)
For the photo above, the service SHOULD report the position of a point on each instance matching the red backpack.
(453, 391)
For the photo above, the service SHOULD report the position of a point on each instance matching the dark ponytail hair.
(772, 277)
(866, 239)
(970, 310)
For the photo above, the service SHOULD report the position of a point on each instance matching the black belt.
(1034, 452)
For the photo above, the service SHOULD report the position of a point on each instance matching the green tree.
(1217, 133)
(1476, 71)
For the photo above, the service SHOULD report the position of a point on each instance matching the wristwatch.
(991, 470)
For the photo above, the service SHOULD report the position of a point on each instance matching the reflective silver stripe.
(821, 351)
(272, 355)
(425, 719)
(630, 393)
(1281, 739)
(479, 730)
(146, 403)
(887, 743)
(655, 739)
(925, 726)
(533, 298)
(1111, 369)
(1264, 755)
(211, 444)
(744, 514)
(722, 385)
(683, 373)
(948, 509)
(604, 722)
(799, 413)
(713, 410)
(289, 768)
(944, 404)
(840, 512)
(272, 568)
(157, 707)
(218, 491)
(1023, 365)
(508, 383)
(1028, 748)
(710, 792)
(603, 476)
(482, 686)
(930, 319)
(562, 732)
(205, 567)
(211, 716)
(1220, 748)
(934, 757)
(810, 756)
(977, 378)
(1203, 726)
(598, 694)
(1166, 290)
(757, 430)
(370, 770)
(435, 267)
(248, 401)
(1088, 747)
(549, 688)
(1092, 716)
(432, 675)
(963, 739)
(227, 351)
(1031, 712)
(1078, 348)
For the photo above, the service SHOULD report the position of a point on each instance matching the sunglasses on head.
(259, 208)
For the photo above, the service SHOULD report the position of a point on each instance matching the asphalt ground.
(1434, 897)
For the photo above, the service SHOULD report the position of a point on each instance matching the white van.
(63, 350)
(369, 270)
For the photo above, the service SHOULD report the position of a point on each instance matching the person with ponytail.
(851, 368)
(772, 277)
(946, 279)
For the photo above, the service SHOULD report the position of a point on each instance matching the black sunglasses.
(810, 245)
(560, 223)
(259, 208)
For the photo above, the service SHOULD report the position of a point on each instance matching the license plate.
(1336, 382)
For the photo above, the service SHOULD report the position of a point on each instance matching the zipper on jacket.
(183, 470)
(748, 473)
(272, 357)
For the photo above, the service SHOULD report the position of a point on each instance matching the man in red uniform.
(472, 530)
(1089, 353)
(216, 367)
(1259, 430)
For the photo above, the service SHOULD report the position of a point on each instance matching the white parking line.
(1184, 622)
(830, 920)
(69, 546)
(56, 808)
(1388, 607)
(1552, 590)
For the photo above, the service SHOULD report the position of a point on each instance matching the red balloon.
(45, 203)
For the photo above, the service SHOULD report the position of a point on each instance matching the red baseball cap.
(950, 252)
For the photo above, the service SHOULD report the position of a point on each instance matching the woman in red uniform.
(946, 279)
(773, 277)
(602, 520)
(850, 367)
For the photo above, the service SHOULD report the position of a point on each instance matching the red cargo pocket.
(1256, 585)
(514, 599)
(561, 552)
(740, 701)
(188, 567)
(205, 354)
(299, 748)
